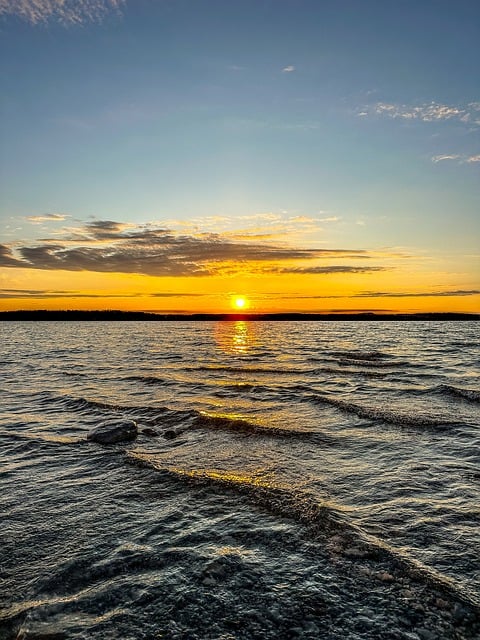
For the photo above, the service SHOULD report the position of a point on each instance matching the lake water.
(289, 480)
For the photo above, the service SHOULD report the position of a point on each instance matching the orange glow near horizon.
(31, 289)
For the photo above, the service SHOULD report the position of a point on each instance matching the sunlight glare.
(239, 302)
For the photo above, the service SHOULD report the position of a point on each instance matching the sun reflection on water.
(235, 338)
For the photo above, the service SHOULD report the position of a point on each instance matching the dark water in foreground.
(307, 480)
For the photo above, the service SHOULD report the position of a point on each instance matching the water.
(295, 480)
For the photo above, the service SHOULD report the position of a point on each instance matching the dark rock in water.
(151, 433)
(114, 431)
(169, 434)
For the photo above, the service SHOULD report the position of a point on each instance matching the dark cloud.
(329, 269)
(7, 259)
(114, 247)
(53, 293)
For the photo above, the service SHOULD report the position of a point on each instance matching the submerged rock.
(151, 433)
(114, 431)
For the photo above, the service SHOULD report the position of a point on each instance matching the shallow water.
(306, 480)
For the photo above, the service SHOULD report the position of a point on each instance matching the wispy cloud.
(109, 246)
(387, 294)
(418, 294)
(288, 69)
(426, 112)
(318, 270)
(54, 293)
(63, 11)
(441, 158)
(47, 217)
(461, 158)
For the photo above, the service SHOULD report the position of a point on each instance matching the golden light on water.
(235, 338)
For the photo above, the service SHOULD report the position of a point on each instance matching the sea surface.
(315, 480)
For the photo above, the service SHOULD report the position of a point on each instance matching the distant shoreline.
(114, 315)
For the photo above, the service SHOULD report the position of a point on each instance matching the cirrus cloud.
(426, 112)
(63, 11)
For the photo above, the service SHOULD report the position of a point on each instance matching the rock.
(216, 569)
(426, 634)
(151, 433)
(385, 577)
(114, 431)
(440, 603)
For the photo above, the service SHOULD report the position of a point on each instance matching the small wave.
(240, 425)
(249, 370)
(247, 387)
(151, 380)
(466, 394)
(385, 415)
(358, 362)
(176, 421)
(360, 355)
(353, 372)
(146, 414)
(325, 520)
(284, 501)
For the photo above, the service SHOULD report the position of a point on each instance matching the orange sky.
(275, 267)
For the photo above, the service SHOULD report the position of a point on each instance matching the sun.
(239, 302)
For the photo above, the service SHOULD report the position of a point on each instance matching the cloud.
(462, 159)
(384, 294)
(420, 294)
(115, 247)
(445, 157)
(7, 258)
(47, 217)
(316, 270)
(63, 11)
(47, 293)
(426, 112)
(53, 293)
(288, 69)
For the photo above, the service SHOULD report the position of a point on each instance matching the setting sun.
(239, 302)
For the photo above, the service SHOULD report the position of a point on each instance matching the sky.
(172, 155)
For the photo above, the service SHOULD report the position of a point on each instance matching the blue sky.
(362, 116)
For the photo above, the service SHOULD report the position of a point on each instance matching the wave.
(385, 415)
(240, 425)
(360, 355)
(353, 372)
(174, 422)
(152, 380)
(323, 519)
(284, 501)
(358, 362)
(466, 394)
(248, 370)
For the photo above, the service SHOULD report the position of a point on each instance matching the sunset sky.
(311, 155)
